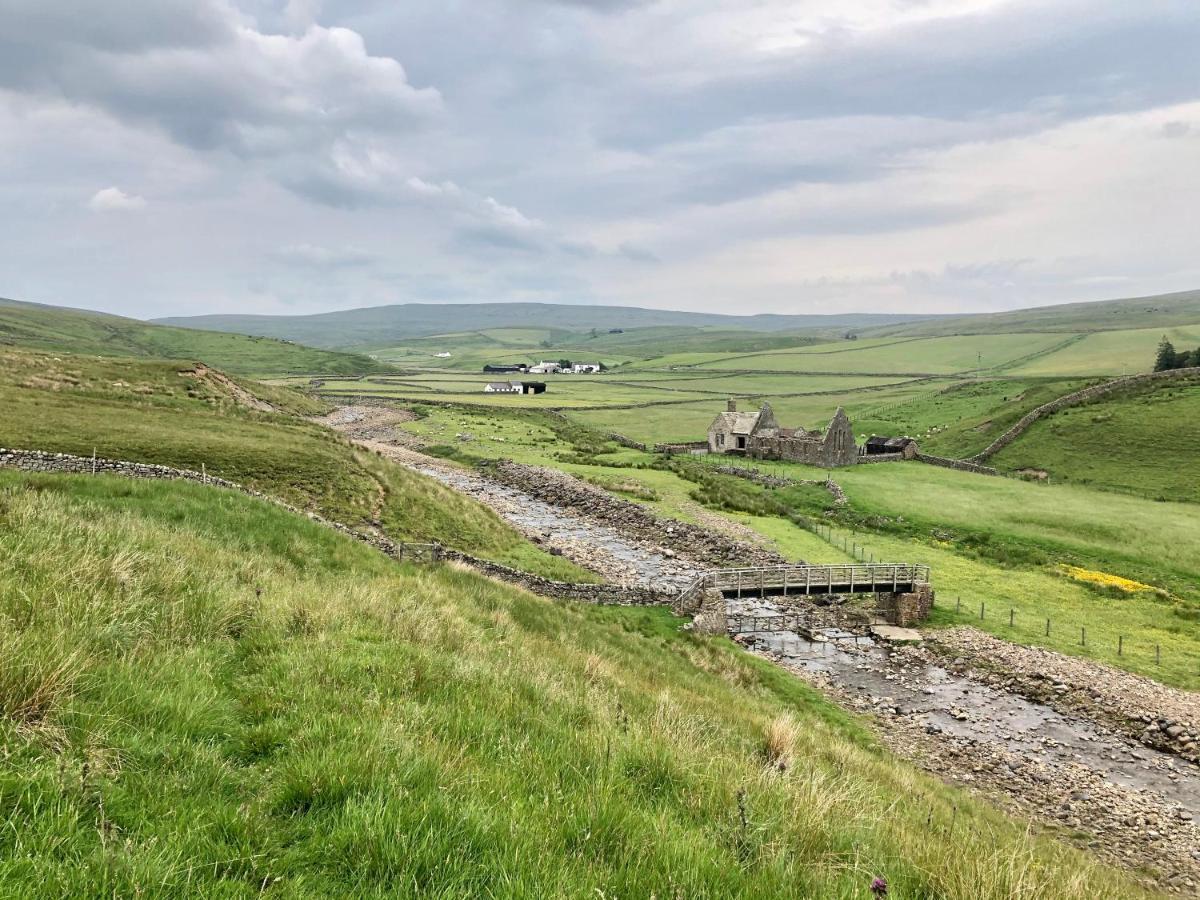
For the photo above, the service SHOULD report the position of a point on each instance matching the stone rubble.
(1143, 831)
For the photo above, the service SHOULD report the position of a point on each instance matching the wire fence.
(1016, 624)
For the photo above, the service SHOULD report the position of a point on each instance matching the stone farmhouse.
(758, 435)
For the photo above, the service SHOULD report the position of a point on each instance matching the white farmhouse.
(504, 387)
(585, 368)
(545, 368)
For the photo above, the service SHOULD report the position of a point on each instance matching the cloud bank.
(776, 157)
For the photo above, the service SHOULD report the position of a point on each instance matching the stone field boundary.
(599, 594)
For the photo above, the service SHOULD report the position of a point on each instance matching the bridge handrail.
(831, 573)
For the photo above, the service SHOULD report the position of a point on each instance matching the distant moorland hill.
(383, 326)
(1159, 311)
(60, 329)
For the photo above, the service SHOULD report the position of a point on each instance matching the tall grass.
(256, 705)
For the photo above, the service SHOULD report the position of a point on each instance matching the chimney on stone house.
(731, 405)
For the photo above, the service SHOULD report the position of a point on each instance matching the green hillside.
(1144, 441)
(152, 412)
(385, 326)
(202, 695)
(1159, 311)
(62, 330)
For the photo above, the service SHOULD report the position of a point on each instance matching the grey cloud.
(202, 74)
(637, 253)
(1022, 58)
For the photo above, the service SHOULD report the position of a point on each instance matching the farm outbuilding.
(515, 387)
(878, 445)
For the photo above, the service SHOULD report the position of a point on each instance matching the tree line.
(1170, 358)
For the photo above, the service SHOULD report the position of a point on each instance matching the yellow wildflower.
(1104, 579)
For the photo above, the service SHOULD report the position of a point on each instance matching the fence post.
(93, 460)
(1047, 627)
(1157, 655)
(1011, 615)
(1082, 636)
(958, 605)
(1120, 644)
(980, 609)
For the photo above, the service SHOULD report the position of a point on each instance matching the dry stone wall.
(559, 489)
(961, 465)
(605, 594)
(1078, 398)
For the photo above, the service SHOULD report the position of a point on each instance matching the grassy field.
(1111, 353)
(1156, 312)
(963, 418)
(939, 356)
(999, 542)
(202, 695)
(150, 412)
(1145, 442)
(60, 330)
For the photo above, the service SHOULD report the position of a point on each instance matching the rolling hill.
(383, 326)
(64, 330)
(1159, 311)
(204, 694)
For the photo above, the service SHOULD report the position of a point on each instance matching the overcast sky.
(169, 157)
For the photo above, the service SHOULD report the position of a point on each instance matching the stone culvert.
(1078, 398)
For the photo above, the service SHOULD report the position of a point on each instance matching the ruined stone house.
(758, 435)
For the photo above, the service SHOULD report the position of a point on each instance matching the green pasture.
(1112, 353)
(1144, 442)
(1027, 524)
(941, 355)
(61, 330)
(962, 418)
(148, 412)
(202, 695)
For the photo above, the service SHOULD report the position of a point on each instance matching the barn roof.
(735, 422)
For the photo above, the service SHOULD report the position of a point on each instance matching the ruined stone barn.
(758, 435)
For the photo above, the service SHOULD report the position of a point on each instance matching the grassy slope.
(149, 412)
(991, 541)
(1143, 442)
(1158, 311)
(201, 695)
(1112, 353)
(964, 418)
(63, 330)
(388, 326)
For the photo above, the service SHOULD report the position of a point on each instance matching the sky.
(177, 157)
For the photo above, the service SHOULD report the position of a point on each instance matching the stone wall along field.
(1076, 399)
(607, 594)
(560, 489)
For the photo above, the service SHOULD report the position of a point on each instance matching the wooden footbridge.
(804, 581)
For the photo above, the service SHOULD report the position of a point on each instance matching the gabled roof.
(735, 422)
(500, 385)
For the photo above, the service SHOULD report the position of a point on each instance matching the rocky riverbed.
(1092, 784)
(1100, 757)
(620, 557)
